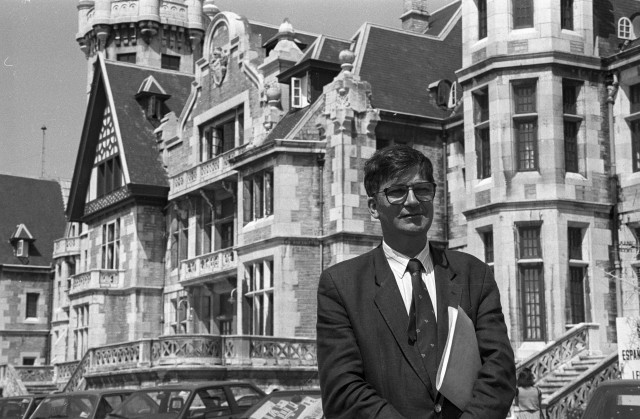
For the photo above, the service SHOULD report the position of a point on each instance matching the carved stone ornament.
(218, 65)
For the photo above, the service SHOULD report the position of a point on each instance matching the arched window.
(625, 29)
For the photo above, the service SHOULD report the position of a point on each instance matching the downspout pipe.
(320, 160)
(612, 90)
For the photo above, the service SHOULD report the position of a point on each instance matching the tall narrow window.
(225, 211)
(259, 298)
(483, 140)
(526, 125)
(566, 14)
(522, 14)
(577, 272)
(531, 283)
(81, 330)
(205, 228)
(634, 98)
(571, 146)
(110, 249)
(32, 305)
(482, 19)
(487, 238)
(258, 196)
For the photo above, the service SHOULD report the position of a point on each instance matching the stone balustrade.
(563, 350)
(190, 350)
(208, 264)
(96, 279)
(203, 174)
(67, 246)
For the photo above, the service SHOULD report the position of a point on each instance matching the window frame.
(525, 123)
(482, 19)
(259, 297)
(625, 28)
(215, 138)
(566, 15)
(522, 14)
(481, 116)
(258, 195)
(110, 246)
(31, 306)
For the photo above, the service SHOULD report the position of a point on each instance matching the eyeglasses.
(397, 194)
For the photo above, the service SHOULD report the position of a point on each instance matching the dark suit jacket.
(368, 368)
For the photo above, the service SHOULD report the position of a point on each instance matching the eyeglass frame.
(408, 187)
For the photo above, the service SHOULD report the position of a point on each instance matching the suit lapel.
(391, 306)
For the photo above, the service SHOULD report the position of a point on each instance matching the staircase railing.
(577, 394)
(76, 380)
(556, 354)
(10, 382)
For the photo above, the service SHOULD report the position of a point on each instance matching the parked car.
(19, 407)
(217, 399)
(292, 404)
(91, 404)
(615, 399)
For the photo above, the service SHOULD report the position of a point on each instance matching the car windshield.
(13, 408)
(291, 406)
(153, 403)
(70, 406)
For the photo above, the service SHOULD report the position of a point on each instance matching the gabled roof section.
(400, 65)
(35, 203)
(325, 48)
(442, 18)
(116, 85)
(606, 15)
(21, 233)
(150, 86)
(284, 127)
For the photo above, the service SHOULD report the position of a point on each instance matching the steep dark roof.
(400, 66)
(606, 14)
(38, 205)
(138, 140)
(440, 18)
(287, 123)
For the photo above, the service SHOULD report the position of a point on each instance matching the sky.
(43, 73)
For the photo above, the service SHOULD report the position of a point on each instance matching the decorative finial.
(347, 57)
(286, 28)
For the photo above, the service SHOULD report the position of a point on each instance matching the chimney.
(415, 16)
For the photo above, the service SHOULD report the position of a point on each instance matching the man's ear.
(372, 204)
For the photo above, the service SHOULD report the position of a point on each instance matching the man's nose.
(411, 199)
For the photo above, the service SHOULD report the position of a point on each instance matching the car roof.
(194, 385)
(619, 383)
(97, 392)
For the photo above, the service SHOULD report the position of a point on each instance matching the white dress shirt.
(398, 263)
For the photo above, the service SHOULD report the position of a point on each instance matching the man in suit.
(369, 359)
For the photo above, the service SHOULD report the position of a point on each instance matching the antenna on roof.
(43, 128)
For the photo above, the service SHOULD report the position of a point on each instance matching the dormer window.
(21, 240)
(625, 29)
(299, 95)
(152, 97)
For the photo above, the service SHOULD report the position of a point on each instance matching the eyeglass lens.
(398, 193)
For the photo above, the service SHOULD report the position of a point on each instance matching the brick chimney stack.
(415, 16)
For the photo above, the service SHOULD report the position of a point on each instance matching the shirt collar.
(399, 261)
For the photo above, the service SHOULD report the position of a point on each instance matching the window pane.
(488, 246)
(482, 19)
(531, 296)
(569, 98)
(574, 237)
(634, 98)
(566, 14)
(635, 145)
(525, 97)
(576, 289)
(571, 146)
(530, 243)
(527, 145)
(522, 14)
(32, 305)
(483, 150)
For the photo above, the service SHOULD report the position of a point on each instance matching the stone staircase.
(41, 388)
(568, 374)
(569, 369)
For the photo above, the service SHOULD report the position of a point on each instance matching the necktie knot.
(414, 266)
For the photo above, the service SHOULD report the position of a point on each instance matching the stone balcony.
(190, 358)
(68, 246)
(96, 279)
(206, 266)
(203, 174)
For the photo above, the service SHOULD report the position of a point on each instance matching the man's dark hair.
(391, 162)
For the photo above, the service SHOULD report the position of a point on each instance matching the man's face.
(406, 224)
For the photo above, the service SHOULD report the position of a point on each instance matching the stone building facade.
(239, 165)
